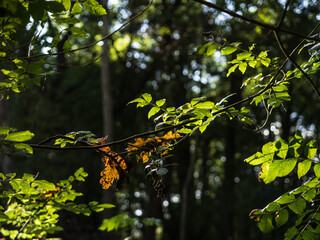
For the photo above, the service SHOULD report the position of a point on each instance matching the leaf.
(273, 207)
(228, 50)
(244, 55)
(298, 206)
(281, 217)
(232, 69)
(147, 97)
(94, 7)
(43, 185)
(153, 111)
(291, 232)
(19, 136)
(310, 149)
(184, 130)
(205, 105)
(25, 147)
(316, 170)
(243, 67)
(211, 49)
(295, 148)
(66, 4)
(253, 63)
(159, 103)
(265, 224)
(310, 194)
(162, 171)
(286, 198)
(282, 147)
(76, 9)
(303, 168)
(35, 67)
(286, 166)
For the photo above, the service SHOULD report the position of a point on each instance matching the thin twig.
(295, 64)
(267, 26)
(93, 43)
(283, 14)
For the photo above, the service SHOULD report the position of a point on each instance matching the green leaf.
(153, 111)
(253, 63)
(281, 217)
(232, 69)
(303, 168)
(35, 67)
(310, 194)
(147, 97)
(43, 185)
(205, 105)
(67, 45)
(184, 130)
(159, 103)
(243, 67)
(228, 50)
(162, 171)
(273, 207)
(286, 166)
(286, 198)
(257, 159)
(94, 7)
(282, 147)
(295, 148)
(316, 170)
(203, 49)
(211, 49)
(66, 4)
(25, 147)
(265, 224)
(291, 232)
(310, 149)
(243, 56)
(298, 206)
(19, 136)
(76, 9)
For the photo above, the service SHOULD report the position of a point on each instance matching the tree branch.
(93, 43)
(295, 64)
(267, 26)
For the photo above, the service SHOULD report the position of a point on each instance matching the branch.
(283, 14)
(267, 26)
(295, 64)
(93, 43)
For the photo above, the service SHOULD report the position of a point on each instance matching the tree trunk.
(184, 192)
(107, 118)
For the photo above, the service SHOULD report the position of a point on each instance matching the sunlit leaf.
(281, 217)
(153, 111)
(265, 224)
(228, 50)
(76, 9)
(232, 69)
(159, 103)
(303, 168)
(66, 4)
(243, 67)
(298, 206)
(19, 136)
(310, 149)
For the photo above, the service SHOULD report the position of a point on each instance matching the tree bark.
(184, 193)
(107, 116)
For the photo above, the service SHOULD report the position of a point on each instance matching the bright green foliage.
(300, 200)
(19, 71)
(194, 115)
(31, 206)
(116, 222)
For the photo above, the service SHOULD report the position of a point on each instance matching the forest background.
(209, 190)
